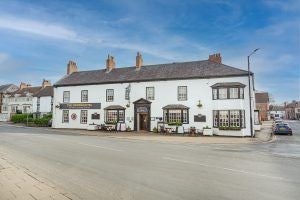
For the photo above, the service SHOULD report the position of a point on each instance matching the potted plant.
(128, 129)
(177, 124)
(128, 105)
(207, 131)
(155, 130)
(199, 104)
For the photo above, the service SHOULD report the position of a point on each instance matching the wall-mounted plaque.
(95, 116)
(142, 109)
(199, 118)
(80, 106)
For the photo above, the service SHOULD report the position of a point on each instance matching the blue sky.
(38, 38)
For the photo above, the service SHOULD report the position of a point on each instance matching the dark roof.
(175, 106)
(276, 108)
(262, 97)
(24, 91)
(114, 107)
(3, 88)
(293, 104)
(229, 84)
(171, 71)
(47, 91)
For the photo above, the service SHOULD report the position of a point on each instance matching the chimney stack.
(110, 63)
(72, 67)
(139, 61)
(24, 85)
(215, 58)
(46, 83)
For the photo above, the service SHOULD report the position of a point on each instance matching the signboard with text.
(80, 106)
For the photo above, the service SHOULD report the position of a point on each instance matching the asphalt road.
(109, 168)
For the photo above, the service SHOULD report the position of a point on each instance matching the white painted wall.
(165, 93)
(45, 104)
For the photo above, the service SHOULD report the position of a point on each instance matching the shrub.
(21, 118)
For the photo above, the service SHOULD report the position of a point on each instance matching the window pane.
(150, 93)
(216, 118)
(222, 93)
(174, 116)
(121, 115)
(223, 118)
(109, 95)
(241, 93)
(235, 118)
(111, 116)
(234, 93)
(215, 94)
(182, 93)
(185, 116)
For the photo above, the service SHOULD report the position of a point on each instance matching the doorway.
(142, 115)
(143, 122)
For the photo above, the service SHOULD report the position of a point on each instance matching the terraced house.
(196, 94)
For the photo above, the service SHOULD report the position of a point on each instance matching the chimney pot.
(46, 83)
(72, 67)
(110, 63)
(24, 85)
(217, 58)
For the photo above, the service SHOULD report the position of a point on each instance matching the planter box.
(208, 131)
(257, 127)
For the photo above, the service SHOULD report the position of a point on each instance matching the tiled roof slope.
(47, 91)
(3, 88)
(24, 91)
(171, 71)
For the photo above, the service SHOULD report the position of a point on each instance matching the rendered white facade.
(42, 105)
(165, 94)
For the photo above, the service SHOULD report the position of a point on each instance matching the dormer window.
(228, 91)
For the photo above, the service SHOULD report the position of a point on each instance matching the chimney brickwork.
(46, 83)
(72, 67)
(217, 58)
(139, 61)
(24, 85)
(110, 63)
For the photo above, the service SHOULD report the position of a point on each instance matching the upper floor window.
(182, 93)
(84, 96)
(228, 91)
(150, 93)
(109, 95)
(66, 97)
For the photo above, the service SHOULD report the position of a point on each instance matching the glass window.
(66, 97)
(223, 118)
(234, 93)
(241, 93)
(222, 93)
(215, 93)
(83, 116)
(235, 118)
(176, 115)
(229, 118)
(65, 117)
(84, 96)
(114, 116)
(109, 95)
(182, 93)
(216, 118)
(150, 93)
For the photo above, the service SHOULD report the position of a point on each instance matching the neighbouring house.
(21, 101)
(276, 111)
(4, 90)
(143, 97)
(43, 100)
(292, 110)
(262, 103)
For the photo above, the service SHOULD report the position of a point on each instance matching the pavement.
(92, 167)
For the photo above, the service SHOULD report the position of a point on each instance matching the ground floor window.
(229, 119)
(176, 115)
(83, 116)
(114, 116)
(65, 117)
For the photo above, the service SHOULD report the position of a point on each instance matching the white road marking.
(224, 168)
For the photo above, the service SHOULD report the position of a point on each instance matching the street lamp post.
(250, 103)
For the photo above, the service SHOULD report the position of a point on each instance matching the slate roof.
(47, 91)
(23, 92)
(114, 107)
(3, 88)
(262, 97)
(171, 71)
(175, 106)
(276, 108)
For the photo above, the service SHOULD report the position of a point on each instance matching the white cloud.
(39, 28)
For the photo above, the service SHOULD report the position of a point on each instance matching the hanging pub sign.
(80, 106)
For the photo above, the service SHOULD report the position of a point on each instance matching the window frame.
(113, 95)
(82, 96)
(240, 95)
(167, 111)
(64, 96)
(216, 124)
(63, 116)
(147, 96)
(81, 116)
(118, 116)
(178, 94)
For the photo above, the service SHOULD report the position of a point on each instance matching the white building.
(5, 90)
(43, 101)
(277, 111)
(21, 101)
(197, 94)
